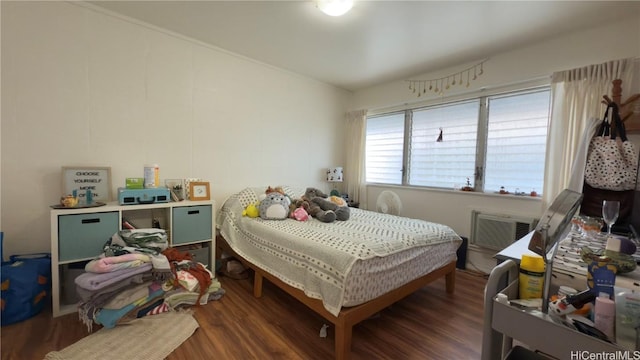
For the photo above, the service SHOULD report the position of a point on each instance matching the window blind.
(449, 160)
(516, 142)
(384, 148)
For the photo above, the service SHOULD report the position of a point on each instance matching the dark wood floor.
(429, 324)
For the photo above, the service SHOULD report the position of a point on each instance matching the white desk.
(516, 250)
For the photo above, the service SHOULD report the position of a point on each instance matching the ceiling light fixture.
(334, 7)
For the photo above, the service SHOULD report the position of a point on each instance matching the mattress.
(344, 263)
(371, 278)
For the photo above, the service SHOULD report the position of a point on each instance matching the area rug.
(149, 338)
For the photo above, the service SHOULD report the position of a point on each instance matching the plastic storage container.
(152, 176)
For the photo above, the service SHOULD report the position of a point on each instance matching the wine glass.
(610, 209)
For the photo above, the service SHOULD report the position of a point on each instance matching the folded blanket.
(154, 308)
(181, 297)
(86, 295)
(161, 268)
(93, 301)
(114, 263)
(155, 239)
(110, 317)
(95, 281)
(128, 296)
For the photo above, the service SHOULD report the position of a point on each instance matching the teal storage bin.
(191, 224)
(83, 236)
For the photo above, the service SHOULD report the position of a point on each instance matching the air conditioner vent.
(497, 231)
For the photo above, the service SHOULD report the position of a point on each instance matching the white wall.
(617, 40)
(506, 70)
(83, 87)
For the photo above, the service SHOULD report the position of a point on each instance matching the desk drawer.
(191, 224)
(84, 235)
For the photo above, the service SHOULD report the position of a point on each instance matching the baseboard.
(482, 249)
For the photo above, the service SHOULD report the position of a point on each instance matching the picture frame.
(81, 179)
(177, 187)
(186, 187)
(199, 190)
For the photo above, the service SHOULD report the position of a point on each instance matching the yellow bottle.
(531, 277)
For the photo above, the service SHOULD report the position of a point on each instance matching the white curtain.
(576, 98)
(354, 174)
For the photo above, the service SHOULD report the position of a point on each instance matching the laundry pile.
(136, 275)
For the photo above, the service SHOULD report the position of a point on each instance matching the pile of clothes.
(136, 275)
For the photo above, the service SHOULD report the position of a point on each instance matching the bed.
(345, 271)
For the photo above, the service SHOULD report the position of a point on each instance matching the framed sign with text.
(95, 179)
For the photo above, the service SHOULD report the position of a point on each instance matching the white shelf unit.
(79, 235)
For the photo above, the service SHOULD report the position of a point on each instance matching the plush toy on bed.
(323, 207)
(298, 210)
(275, 189)
(300, 214)
(275, 206)
(251, 210)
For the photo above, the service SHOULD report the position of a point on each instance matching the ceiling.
(377, 41)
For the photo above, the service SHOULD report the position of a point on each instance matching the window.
(443, 163)
(384, 147)
(516, 142)
(494, 141)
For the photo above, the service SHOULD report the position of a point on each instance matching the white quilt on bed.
(314, 256)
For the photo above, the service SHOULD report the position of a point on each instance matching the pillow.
(293, 192)
(247, 196)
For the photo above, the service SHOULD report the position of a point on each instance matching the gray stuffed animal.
(274, 206)
(324, 209)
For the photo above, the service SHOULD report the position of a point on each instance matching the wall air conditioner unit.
(497, 231)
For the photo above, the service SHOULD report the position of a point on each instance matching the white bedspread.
(316, 257)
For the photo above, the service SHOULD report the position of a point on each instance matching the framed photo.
(199, 190)
(84, 179)
(176, 186)
(185, 185)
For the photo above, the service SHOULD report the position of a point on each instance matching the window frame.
(482, 130)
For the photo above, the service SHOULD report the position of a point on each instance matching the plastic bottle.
(531, 277)
(152, 176)
(605, 315)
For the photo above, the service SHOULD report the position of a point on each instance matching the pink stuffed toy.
(300, 214)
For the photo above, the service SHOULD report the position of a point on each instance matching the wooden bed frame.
(348, 316)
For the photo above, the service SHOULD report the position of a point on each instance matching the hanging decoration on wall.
(440, 85)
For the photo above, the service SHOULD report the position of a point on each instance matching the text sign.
(97, 180)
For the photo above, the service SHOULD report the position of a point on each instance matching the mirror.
(554, 224)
